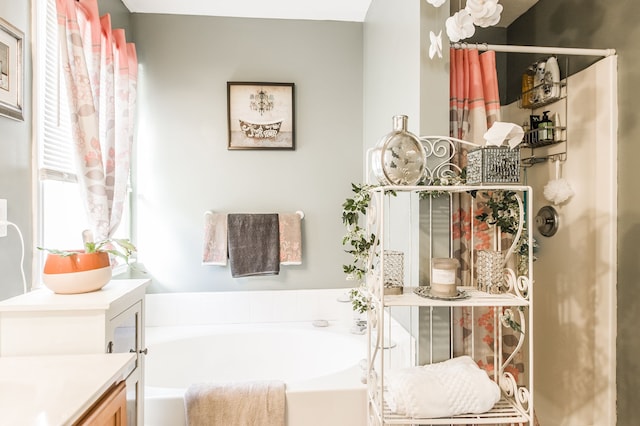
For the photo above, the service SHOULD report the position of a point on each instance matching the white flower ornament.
(436, 44)
(460, 26)
(485, 13)
(436, 3)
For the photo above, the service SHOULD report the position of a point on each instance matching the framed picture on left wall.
(261, 115)
(11, 69)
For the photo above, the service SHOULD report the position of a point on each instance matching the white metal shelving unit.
(514, 303)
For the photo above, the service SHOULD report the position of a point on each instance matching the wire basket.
(493, 164)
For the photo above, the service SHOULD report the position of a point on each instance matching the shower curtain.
(474, 107)
(100, 70)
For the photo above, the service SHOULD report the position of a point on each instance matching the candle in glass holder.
(444, 271)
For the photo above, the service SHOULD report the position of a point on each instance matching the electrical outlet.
(3, 218)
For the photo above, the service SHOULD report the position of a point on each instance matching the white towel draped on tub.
(443, 389)
(260, 403)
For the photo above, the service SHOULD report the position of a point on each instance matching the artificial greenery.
(507, 319)
(503, 212)
(360, 299)
(357, 239)
(118, 247)
(447, 178)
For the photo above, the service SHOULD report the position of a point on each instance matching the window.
(60, 214)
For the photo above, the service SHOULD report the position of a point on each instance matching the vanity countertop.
(56, 390)
(45, 300)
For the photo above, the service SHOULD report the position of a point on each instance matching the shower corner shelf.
(394, 206)
(541, 95)
(529, 136)
(557, 144)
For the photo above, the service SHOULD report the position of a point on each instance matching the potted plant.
(83, 271)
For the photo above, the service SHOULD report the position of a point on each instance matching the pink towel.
(290, 239)
(215, 239)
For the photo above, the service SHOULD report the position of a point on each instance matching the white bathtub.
(320, 366)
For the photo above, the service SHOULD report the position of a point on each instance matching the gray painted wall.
(15, 166)
(183, 167)
(399, 78)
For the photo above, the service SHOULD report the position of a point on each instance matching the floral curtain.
(100, 71)
(474, 107)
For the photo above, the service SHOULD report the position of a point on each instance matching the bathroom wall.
(15, 165)
(605, 24)
(574, 300)
(183, 167)
(399, 78)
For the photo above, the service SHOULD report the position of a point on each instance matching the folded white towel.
(456, 386)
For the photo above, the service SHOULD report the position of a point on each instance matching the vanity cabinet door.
(109, 410)
(125, 333)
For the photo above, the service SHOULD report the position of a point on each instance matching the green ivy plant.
(360, 299)
(359, 243)
(357, 240)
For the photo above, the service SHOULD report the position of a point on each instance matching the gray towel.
(254, 244)
(260, 403)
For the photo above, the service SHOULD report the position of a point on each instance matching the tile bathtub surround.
(163, 309)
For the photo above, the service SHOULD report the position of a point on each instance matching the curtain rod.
(535, 49)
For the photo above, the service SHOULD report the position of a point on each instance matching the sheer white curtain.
(100, 71)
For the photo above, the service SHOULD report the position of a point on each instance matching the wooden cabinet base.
(109, 410)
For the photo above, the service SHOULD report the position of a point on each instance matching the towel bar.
(298, 212)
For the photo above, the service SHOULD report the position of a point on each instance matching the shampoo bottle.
(545, 128)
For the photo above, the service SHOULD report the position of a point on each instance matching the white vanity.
(110, 320)
(64, 389)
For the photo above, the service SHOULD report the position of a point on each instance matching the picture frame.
(261, 115)
(11, 71)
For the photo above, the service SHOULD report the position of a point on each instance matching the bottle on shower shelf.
(527, 87)
(545, 128)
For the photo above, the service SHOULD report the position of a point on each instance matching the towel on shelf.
(259, 403)
(253, 244)
(290, 239)
(443, 389)
(215, 239)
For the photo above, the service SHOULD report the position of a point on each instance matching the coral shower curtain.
(100, 70)
(474, 107)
